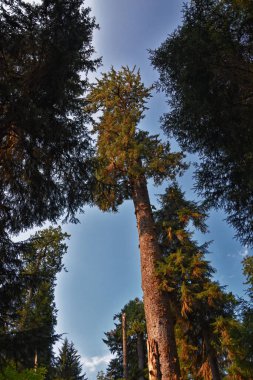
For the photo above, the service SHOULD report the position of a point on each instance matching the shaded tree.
(125, 158)
(28, 328)
(68, 365)
(136, 342)
(45, 149)
(206, 71)
(101, 376)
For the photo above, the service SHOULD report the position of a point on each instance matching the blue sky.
(103, 257)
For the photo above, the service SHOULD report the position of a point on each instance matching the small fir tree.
(68, 365)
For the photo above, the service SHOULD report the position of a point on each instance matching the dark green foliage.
(28, 320)
(101, 376)
(206, 71)
(248, 272)
(45, 149)
(135, 326)
(68, 366)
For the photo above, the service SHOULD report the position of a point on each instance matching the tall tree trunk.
(212, 357)
(163, 359)
(141, 355)
(124, 343)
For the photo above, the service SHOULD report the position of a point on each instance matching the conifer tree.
(29, 331)
(68, 366)
(205, 68)
(101, 376)
(126, 158)
(136, 346)
(237, 336)
(44, 145)
(197, 301)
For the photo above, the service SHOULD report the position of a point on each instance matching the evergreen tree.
(237, 337)
(126, 157)
(101, 376)
(205, 69)
(45, 149)
(196, 300)
(136, 343)
(29, 330)
(68, 366)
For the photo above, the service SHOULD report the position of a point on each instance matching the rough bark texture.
(141, 355)
(124, 343)
(163, 358)
(212, 358)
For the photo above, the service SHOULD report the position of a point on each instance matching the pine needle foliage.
(206, 71)
(44, 144)
(196, 300)
(68, 364)
(28, 321)
(124, 152)
(136, 329)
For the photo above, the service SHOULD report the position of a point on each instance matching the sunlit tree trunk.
(162, 353)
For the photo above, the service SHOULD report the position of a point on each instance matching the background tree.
(125, 158)
(68, 366)
(44, 145)
(45, 149)
(206, 71)
(101, 376)
(28, 328)
(237, 337)
(136, 343)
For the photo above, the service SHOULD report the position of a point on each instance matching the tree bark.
(211, 355)
(141, 354)
(163, 359)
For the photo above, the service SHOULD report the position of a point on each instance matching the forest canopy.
(205, 69)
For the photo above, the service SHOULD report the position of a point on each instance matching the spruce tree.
(198, 302)
(68, 366)
(28, 328)
(44, 145)
(205, 68)
(136, 343)
(125, 158)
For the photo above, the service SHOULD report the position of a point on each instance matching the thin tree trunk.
(212, 358)
(35, 360)
(124, 338)
(141, 355)
(163, 358)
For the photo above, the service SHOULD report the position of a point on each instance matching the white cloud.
(91, 363)
(244, 252)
